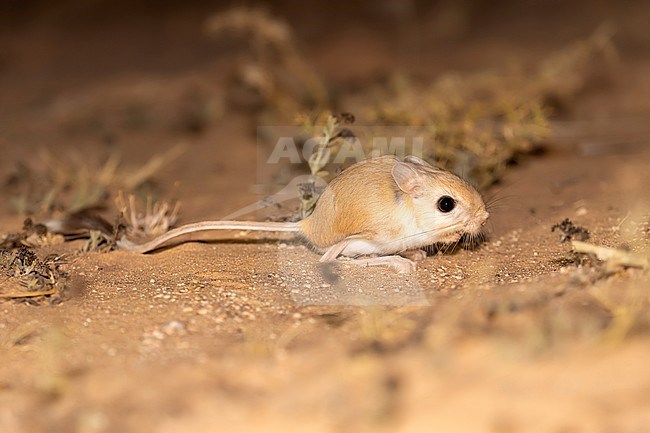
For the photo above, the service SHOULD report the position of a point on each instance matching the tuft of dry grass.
(273, 68)
(53, 183)
(156, 219)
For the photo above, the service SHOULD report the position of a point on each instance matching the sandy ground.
(205, 336)
(517, 335)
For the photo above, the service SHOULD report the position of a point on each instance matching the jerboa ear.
(407, 179)
(419, 161)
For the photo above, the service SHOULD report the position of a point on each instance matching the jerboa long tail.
(163, 240)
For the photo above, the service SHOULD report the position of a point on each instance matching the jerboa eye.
(446, 204)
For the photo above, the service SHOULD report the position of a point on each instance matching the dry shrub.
(272, 71)
(56, 183)
(24, 276)
(156, 219)
(476, 124)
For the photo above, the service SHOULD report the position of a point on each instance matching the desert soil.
(517, 335)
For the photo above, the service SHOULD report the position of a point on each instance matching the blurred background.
(48, 48)
(144, 76)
